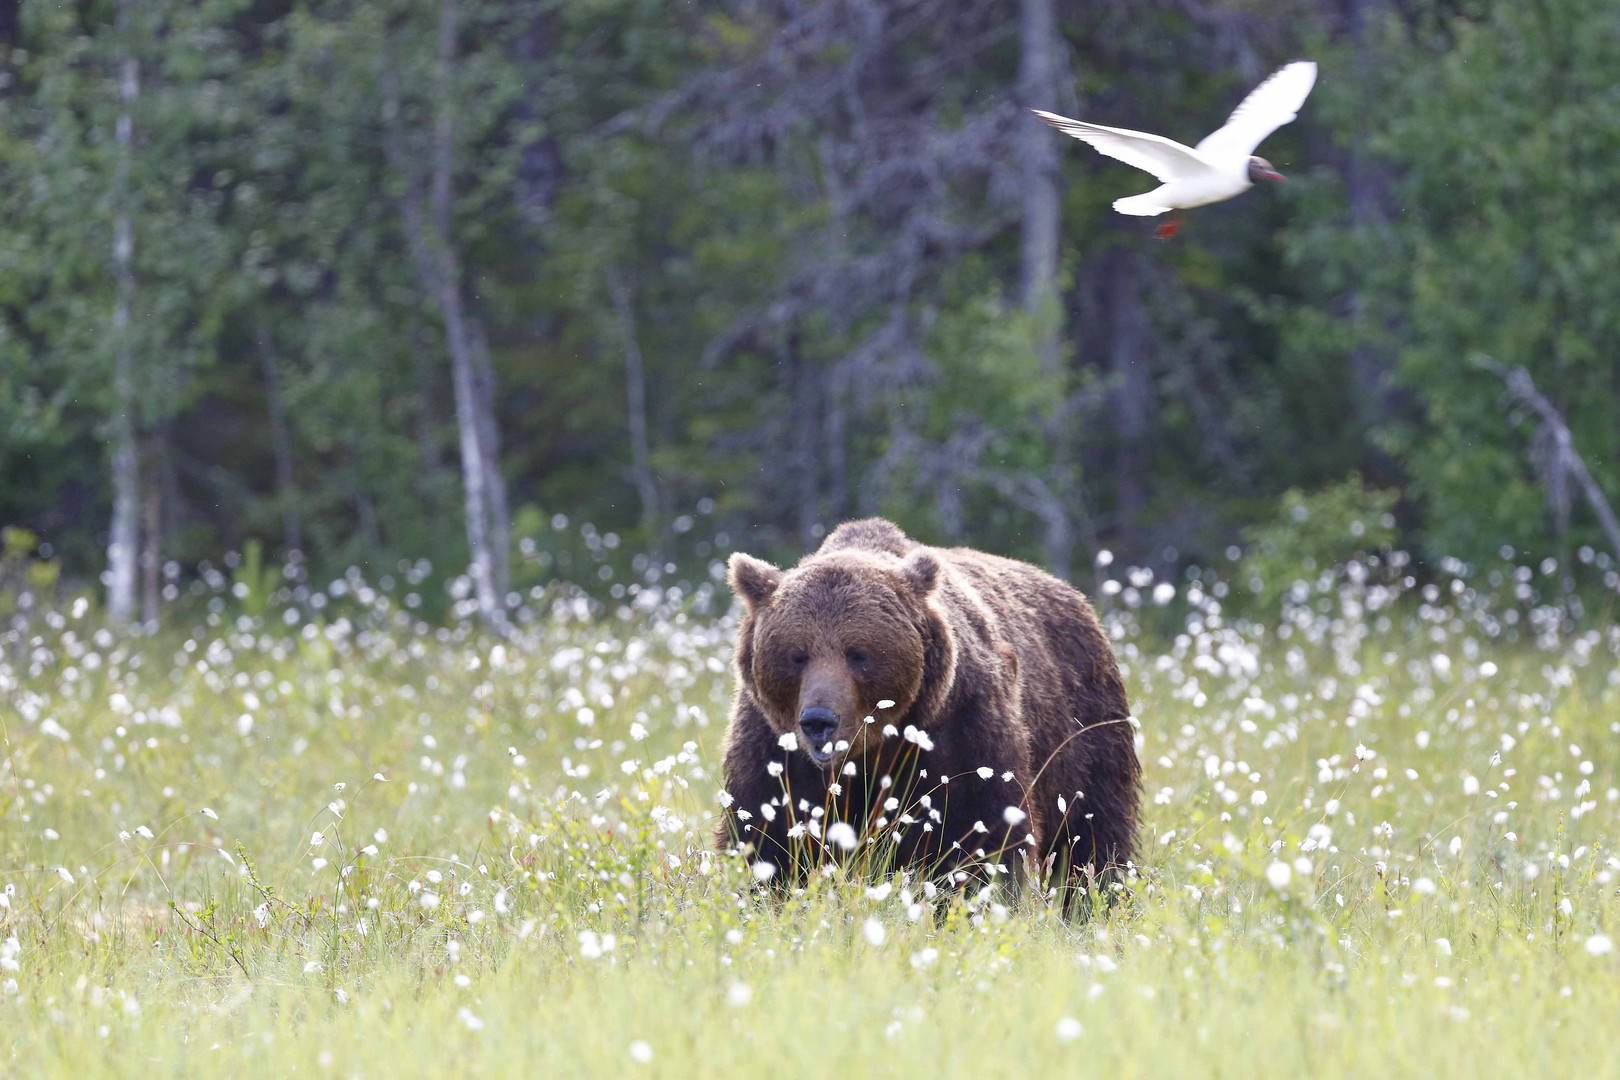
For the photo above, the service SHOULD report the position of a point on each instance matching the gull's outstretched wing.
(1165, 158)
(1268, 107)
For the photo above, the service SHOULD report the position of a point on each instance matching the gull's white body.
(1214, 170)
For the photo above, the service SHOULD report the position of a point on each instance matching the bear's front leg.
(764, 785)
(963, 816)
(985, 828)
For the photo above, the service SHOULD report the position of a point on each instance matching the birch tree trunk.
(433, 251)
(1037, 88)
(474, 473)
(1039, 61)
(124, 536)
(636, 394)
(489, 437)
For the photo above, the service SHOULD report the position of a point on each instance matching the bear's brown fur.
(1005, 694)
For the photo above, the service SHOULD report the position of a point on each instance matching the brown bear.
(939, 710)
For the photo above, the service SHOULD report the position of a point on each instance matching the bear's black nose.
(818, 724)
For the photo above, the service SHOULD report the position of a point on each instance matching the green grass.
(1446, 917)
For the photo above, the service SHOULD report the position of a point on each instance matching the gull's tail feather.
(1149, 204)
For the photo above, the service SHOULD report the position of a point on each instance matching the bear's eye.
(856, 657)
(798, 658)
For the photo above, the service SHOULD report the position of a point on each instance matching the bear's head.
(822, 645)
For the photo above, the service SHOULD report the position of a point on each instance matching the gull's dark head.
(1260, 169)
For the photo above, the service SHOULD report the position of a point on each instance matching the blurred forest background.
(408, 279)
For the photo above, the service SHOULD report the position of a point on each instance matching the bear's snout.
(819, 725)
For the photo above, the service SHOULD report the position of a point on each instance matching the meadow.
(318, 834)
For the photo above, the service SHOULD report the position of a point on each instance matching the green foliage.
(1445, 173)
(24, 570)
(1508, 140)
(1313, 532)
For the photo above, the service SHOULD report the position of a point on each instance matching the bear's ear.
(920, 572)
(753, 580)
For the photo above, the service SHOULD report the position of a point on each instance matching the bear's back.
(868, 534)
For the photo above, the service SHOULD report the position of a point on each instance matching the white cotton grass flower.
(1424, 886)
(472, 1023)
(1012, 815)
(881, 892)
(923, 959)
(65, 874)
(985, 772)
(593, 945)
(1599, 945)
(640, 1052)
(1068, 1029)
(875, 933)
(739, 994)
(143, 831)
(1442, 946)
(919, 737)
(1279, 874)
(787, 741)
(842, 834)
(208, 812)
(763, 871)
(886, 703)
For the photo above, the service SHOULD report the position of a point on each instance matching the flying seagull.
(1221, 166)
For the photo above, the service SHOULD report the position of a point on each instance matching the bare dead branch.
(1560, 460)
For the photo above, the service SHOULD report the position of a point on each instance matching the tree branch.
(1563, 458)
